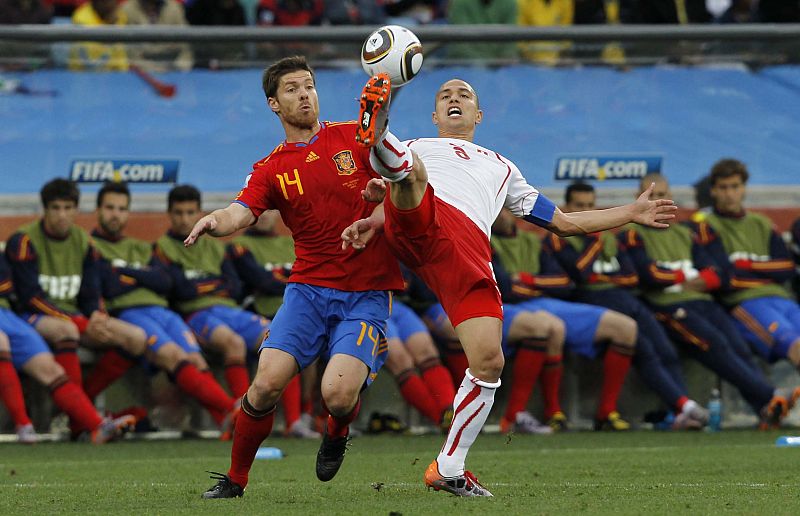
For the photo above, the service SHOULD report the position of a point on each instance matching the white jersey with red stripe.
(477, 181)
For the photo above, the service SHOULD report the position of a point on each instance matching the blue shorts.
(249, 326)
(770, 324)
(580, 321)
(162, 327)
(404, 322)
(318, 321)
(25, 342)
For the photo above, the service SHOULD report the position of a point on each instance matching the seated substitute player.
(756, 260)
(411, 349)
(21, 348)
(265, 259)
(336, 303)
(603, 274)
(205, 289)
(529, 276)
(135, 286)
(676, 276)
(441, 204)
(54, 266)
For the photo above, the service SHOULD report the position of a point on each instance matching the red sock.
(204, 389)
(74, 403)
(615, 367)
(290, 401)
(339, 426)
(252, 427)
(457, 363)
(112, 365)
(66, 354)
(439, 382)
(215, 414)
(11, 391)
(551, 384)
(238, 379)
(417, 395)
(528, 364)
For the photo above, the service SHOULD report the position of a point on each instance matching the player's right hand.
(375, 190)
(358, 234)
(204, 225)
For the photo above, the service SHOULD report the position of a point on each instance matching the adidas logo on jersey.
(311, 157)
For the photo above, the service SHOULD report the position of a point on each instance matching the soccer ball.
(394, 50)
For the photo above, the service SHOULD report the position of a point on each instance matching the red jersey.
(317, 187)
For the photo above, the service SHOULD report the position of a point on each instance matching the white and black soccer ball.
(394, 50)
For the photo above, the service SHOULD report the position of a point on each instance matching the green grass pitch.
(640, 473)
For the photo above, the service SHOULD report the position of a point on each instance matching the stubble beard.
(300, 121)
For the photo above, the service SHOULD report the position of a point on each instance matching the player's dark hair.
(273, 74)
(183, 193)
(728, 167)
(578, 186)
(113, 187)
(59, 189)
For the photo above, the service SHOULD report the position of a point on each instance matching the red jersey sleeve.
(255, 193)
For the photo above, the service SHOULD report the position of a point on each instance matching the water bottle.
(715, 411)
(787, 440)
(269, 453)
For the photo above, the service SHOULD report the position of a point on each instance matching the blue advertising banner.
(604, 167)
(99, 170)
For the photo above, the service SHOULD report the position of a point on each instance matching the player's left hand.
(655, 214)
(358, 234)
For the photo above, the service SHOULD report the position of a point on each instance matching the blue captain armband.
(542, 212)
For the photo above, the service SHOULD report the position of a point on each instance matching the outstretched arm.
(656, 214)
(222, 222)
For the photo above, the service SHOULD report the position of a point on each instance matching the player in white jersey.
(444, 194)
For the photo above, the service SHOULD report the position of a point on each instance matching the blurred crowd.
(406, 12)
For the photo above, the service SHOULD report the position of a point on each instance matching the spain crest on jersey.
(345, 162)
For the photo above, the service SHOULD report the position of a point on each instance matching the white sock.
(473, 403)
(391, 158)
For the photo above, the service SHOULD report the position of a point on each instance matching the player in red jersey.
(336, 303)
(442, 201)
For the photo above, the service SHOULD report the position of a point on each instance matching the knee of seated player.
(422, 348)
(198, 360)
(233, 347)
(43, 368)
(556, 331)
(618, 328)
(132, 339)
(5, 345)
(53, 329)
(169, 356)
